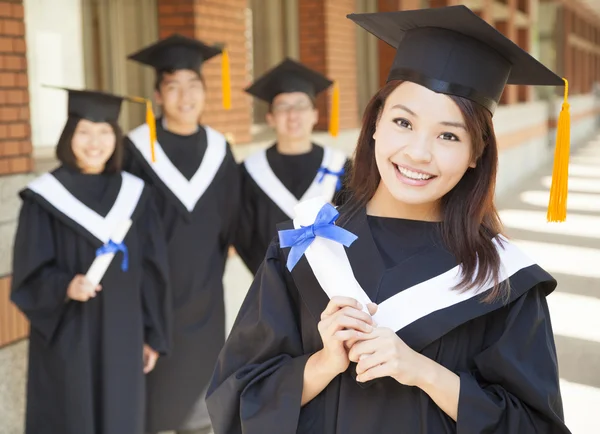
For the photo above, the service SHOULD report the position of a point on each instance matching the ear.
(473, 164)
(158, 98)
(270, 119)
(316, 117)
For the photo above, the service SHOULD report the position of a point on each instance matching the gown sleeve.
(247, 240)
(232, 198)
(156, 295)
(258, 379)
(514, 385)
(39, 286)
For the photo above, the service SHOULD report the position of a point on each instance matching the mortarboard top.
(288, 76)
(291, 76)
(178, 52)
(453, 51)
(93, 105)
(99, 106)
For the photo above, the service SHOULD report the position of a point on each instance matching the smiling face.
(182, 96)
(422, 146)
(93, 144)
(292, 116)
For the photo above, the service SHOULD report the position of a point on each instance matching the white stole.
(330, 265)
(259, 169)
(188, 192)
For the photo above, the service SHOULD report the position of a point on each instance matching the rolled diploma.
(328, 259)
(101, 263)
(330, 181)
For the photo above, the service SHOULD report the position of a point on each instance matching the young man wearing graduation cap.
(294, 168)
(411, 312)
(195, 184)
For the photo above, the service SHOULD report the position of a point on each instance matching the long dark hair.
(64, 150)
(470, 218)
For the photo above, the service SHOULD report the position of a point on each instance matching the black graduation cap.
(291, 76)
(92, 105)
(180, 52)
(288, 76)
(451, 50)
(176, 52)
(99, 106)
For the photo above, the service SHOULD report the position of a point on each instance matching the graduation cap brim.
(391, 27)
(176, 52)
(92, 105)
(288, 76)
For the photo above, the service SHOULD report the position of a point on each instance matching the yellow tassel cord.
(150, 121)
(334, 116)
(557, 206)
(226, 80)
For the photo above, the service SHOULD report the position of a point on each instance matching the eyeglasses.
(285, 108)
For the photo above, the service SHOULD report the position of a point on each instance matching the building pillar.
(328, 45)
(224, 22)
(15, 137)
(15, 154)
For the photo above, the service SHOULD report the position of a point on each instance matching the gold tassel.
(150, 121)
(557, 206)
(334, 116)
(226, 80)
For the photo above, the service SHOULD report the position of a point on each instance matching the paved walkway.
(570, 251)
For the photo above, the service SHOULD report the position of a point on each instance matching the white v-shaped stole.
(113, 227)
(259, 169)
(188, 192)
(330, 265)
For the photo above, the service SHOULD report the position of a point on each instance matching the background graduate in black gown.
(90, 343)
(294, 168)
(459, 337)
(195, 185)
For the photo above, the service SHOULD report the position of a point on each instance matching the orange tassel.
(150, 121)
(334, 116)
(226, 80)
(557, 206)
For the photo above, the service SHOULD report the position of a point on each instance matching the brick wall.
(15, 140)
(216, 21)
(328, 45)
(15, 153)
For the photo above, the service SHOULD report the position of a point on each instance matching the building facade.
(84, 43)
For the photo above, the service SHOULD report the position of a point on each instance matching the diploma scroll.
(100, 265)
(328, 259)
(330, 181)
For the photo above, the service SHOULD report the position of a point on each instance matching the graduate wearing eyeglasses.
(294, 168)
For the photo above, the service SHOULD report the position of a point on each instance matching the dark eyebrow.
(454, 124)
(406, 109)
(446, 124)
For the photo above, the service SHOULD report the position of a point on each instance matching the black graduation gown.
(260, 214)
(195, 185)
(504, 354)
(85, 371)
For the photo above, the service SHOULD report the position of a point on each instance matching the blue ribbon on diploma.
(112, 247)
(300, 239)
(326, 171)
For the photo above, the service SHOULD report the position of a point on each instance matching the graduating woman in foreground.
(95, 329)
(411, 313)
